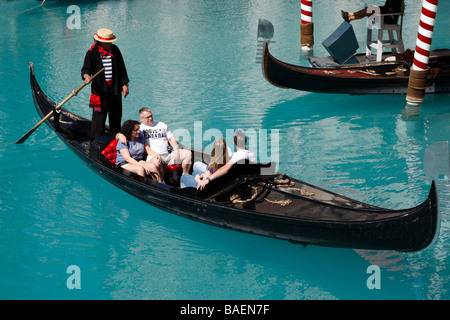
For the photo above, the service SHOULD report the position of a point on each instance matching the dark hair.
(240, 139)
(128, 127)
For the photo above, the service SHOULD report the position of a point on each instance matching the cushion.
(110, 152)
(172, 168)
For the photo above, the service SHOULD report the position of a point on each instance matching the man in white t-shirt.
(238, 157)
(159, 136)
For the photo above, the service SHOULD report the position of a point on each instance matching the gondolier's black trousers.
(111, 107)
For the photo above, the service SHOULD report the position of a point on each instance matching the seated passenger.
(131, 156)
(159, 137)
(391, 9)
(239, 156)
(220, 155)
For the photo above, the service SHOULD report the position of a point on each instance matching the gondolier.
(106, 89)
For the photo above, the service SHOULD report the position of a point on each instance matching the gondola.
(363, 78)
(254, 198)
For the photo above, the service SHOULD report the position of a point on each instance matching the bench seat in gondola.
(238, 174)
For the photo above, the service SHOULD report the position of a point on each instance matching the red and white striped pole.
(307, 25)
(418, 72)
(306, 11)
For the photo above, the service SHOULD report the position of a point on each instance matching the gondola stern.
(42, 102)
(434, 204)
(431, 217)
(31, 66)
(35, 89)
(435, 214)
(267, 60)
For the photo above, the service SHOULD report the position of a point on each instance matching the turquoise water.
(193, 61)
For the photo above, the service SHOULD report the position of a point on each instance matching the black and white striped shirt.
(107, 64)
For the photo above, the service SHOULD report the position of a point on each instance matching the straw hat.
(105, 35)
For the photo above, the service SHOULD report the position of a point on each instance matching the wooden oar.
(57, 108)
(42, 3)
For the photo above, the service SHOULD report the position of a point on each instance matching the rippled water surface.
(194, 61)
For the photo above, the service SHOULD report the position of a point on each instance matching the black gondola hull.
(361, 226)
(376, 235)
(349, 79)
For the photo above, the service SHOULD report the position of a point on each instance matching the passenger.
(159, 136)
(220, 155)
(238, 157)
(390, 6)
(131, 156)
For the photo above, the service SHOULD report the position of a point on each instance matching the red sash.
(95, 102)
(104, 52)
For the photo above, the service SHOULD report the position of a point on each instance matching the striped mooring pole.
(306, 25)
(418, 73)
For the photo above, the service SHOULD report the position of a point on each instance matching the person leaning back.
(108, 87)
(241, 154)
(159, 137)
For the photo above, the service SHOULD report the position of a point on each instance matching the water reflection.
(231, 266)
(411, 113)
(423, 274)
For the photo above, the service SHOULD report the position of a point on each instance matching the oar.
(57, 108)
(42, 3)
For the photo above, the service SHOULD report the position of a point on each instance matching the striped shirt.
(107, 63)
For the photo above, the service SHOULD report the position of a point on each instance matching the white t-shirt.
(243, 154)
(157, 136)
